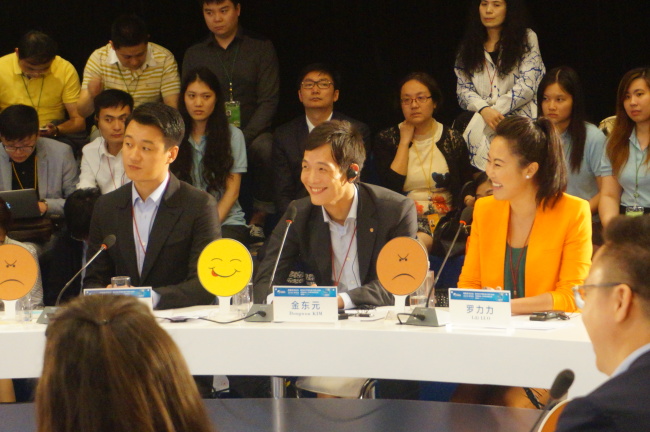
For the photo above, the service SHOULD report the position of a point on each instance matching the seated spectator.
(129, 375)
(32, 162)
(530, 238)
(212, 156)
(34, 75)
(498, 69)
(318, 90)
(616, 314)
(143, 69)
(68, 254)
(421, 157)
(247, 67)
(561, 98)
(101, 163)
(625, 173)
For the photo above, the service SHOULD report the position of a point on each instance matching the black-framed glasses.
(419, 99)
(580, 291)
(322, 84)
(22, 149)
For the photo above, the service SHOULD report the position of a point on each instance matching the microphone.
(559, 389)
(466, 218)
(291, 215)
(108, 242)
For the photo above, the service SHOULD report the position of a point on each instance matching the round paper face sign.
(225, 267)
(402, 265)
(18, 272)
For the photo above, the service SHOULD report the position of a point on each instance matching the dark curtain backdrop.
(372, 42)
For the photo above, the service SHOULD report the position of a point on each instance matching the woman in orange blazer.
(530, 237)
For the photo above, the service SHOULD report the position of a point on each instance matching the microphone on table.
(466, 217)
(263, 312)
(559, 389)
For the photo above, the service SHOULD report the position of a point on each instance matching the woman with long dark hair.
(529, 238)
(561, 99)
(109, 367)
(626, 165)
(498, 69)
(212, 155)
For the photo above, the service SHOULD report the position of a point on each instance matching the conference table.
(383, 349)
(309, 415)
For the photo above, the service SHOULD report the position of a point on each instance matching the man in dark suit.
(616, 313)
(318, 89)
(161, 223)
(341, 227)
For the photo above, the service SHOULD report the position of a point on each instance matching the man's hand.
(50, 130)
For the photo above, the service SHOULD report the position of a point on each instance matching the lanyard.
(427, 178)
(345, 260)
(40, 94)
(35, 174)
(514, 271)
(137, 231)
(232, 70)
(128, 90)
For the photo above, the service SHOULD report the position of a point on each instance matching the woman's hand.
(492, 117)
(406, 132)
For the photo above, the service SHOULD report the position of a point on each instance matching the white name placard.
(479, 308)
(305, 304)
(141, 293)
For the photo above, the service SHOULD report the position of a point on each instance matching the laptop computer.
(23, 204)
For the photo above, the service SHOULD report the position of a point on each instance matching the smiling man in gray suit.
(161, 224)
(341, 227)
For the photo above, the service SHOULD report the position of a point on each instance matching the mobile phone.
(547, 315)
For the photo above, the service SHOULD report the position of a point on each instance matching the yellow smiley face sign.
(402, 265)
(225, 267)
(18, 272)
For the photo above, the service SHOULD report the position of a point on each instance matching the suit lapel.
(319, 239)
(366, 231)
(166, 217)
(125, 234)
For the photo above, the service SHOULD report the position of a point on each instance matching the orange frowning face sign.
(18, 272)
(402, 265)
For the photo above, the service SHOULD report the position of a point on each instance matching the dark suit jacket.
(620, 404)
(58, 265)
(185, 223)
(381, 216)
(289, 142)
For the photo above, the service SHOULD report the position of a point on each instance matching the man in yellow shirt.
(34, 75)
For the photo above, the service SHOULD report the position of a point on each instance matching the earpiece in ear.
(351, 173)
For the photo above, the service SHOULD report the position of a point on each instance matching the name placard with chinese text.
(305, 304)
(479, 308)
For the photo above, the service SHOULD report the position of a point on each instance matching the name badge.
(233, 112)
(141, 293)
(305, 304)
(479, 308)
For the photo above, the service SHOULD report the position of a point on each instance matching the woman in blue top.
(626, 164)
(562, 102)
(498, 68)
(212, 156)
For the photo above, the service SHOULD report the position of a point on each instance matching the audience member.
(68, 253)
(318, 90)
(129, 375)
(421, 157)
(33, 162)
(143, 69)
(247, 68)
(101, 163)
(616, 313)
(341, 218)
(161, 224)
(530, 238)
(34, 75)
(212, 155)
(561, 98)
(498, 67)
(625, 172)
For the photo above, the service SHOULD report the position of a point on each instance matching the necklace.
(35, 174)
